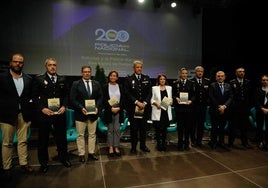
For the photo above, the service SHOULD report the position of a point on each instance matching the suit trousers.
(8, 132)
(113, 135)
(138, 131)
(80, 140)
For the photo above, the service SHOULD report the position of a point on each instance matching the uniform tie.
(53, 79)
(199, 82)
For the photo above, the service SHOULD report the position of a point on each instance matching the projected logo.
(111, 40)
(111, 35)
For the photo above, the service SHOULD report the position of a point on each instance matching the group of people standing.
(190, 98)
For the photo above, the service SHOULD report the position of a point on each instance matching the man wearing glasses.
(15, 93)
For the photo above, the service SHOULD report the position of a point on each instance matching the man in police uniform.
(183, 98)
(138, 92)
(200, 106)
(242, 93)
(51, 86)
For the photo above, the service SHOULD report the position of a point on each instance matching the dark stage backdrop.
(107, 34)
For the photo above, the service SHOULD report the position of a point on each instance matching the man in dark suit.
(183, 97)
(220, 95)
(242, 95)
(138, 89)
(81, 90)
(47, 87)
(15, 113)
(200, 106)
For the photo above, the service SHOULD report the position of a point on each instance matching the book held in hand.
(90, 106)
(113, 102)
(138, 112)
(183, 97)
(165, 103)
(54, 105)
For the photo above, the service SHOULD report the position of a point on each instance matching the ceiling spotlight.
(141, 1)
(173, 4)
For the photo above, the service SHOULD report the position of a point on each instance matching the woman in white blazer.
(161, 111)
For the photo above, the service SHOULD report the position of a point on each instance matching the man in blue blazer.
(81, 90)
(220, 95)
(15, 112)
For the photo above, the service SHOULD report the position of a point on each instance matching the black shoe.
(199, 145)
(82, 159)
(7, 175)
(145, 149)
(118, 154)
(92, 157)
(26, 168)
(44, 168)
(222, 145)
(212, 145)
(180, 147)
(66, 163)
(133, 151)
(111, 154)
(186, 148)
(247, 146)
(194, 145)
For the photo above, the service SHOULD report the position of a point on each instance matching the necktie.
(222, 88)
(199, 82)
(53, 79)
(88, 88)
(139, 77)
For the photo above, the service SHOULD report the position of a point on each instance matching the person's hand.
(141, 105)
(115, 110)
(61, 110)
(47, 111)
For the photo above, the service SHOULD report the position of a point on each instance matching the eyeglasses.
(264, 80)
(19, 62)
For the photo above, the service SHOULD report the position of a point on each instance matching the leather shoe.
(133, 151)
(186, 148)
(82, 159)
(92, 157)
(27, 168)
(44, 168)
(118, 154)
(247, 146)
(111, 154)
(7, 174)
(66, 163)
(145, 149)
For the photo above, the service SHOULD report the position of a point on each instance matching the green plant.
(100, 75)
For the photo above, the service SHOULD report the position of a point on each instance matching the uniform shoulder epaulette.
(175, 81)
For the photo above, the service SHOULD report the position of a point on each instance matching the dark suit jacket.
(177, 88)
(259, 100)
(216, 97)
(43, 89)
(78, 96)
(138, 90)
(10, 100)
(107, 117)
